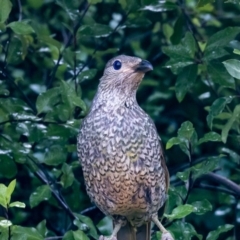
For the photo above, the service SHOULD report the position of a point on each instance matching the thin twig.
(20, 10)
(71, 36)
(87, 210)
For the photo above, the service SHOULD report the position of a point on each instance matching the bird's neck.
(114, 98)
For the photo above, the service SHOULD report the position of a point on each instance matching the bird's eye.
(117, 65)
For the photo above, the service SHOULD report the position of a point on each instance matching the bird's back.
(122, 162)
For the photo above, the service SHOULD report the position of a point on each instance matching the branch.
(46, 179)
(87, 210)
(77, 25)
(20, 10)
(223, 181)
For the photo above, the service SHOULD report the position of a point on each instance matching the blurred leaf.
(50, 41)
(173, 141)
(8, 167)
(184, 230)
(211, 136)
(6, 7)
(79, 235)
(233, 67)
(216, 108)
(5, 223)
(219, 75)
(105, 226)
(201, 207)
(228, 125)
(30, 233)
(160, 7)
(87, 75)
(202, 3)
(46, 100)
(3, 200)
(94, 1)
(183, 175)
(94, 30)
(186, 130)
(67, 177)
(17, 204)
(42, 193)
(91, 228)
(233, 155)
(10, 190)
(55, 155)
(178, 30)
(42, 229)
(21, 27)
(185, 81)
(180, 211)
(213, 235)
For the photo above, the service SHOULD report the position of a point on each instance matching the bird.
(121, 154)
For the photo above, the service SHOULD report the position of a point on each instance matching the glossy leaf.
(173, 141)
(184, 230)
(17, 204)
(30, 233)
(42, 193)
(210, 137)
(105, 226)
(180, 211)
(5, 223)
(221, 39)
(67, 177)
(213, 235)
(201, 207)
(233, 67)
(186, 130)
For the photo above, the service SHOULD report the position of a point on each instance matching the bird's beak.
(144, 66)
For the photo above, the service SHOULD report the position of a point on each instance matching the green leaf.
(220, 39)
(159, 7)
(201, 207)
(178, 30)
(213, 235)
(216, 108)
(55, 155)
(235, 157)
(210, 137)
(183, 175)
(46, 100)
(42, 229)
(42, 193)
(67, 177)
(233, 67)
(219, 75)
(105, 226)
(8, 167)
(79, 235)
(181, 55)
(94, 30)
(228, 125)
(180, 211)
(183, 230)
(89, 223)
(5, 9)
(94, 1)
(30, 233)
(21, 28)
(3, 200)
(185, 81)
(186, 130)
(173, 141)
(87, 75)
(202, 3)
(5, 223)
(17, 204)
(10, 190)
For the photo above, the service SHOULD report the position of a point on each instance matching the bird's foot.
(108, 238)
(167, 236)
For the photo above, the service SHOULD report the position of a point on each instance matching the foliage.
(52, 54)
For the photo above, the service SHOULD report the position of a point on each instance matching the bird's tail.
(128, 232)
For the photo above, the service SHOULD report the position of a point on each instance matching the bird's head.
(122, 76)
